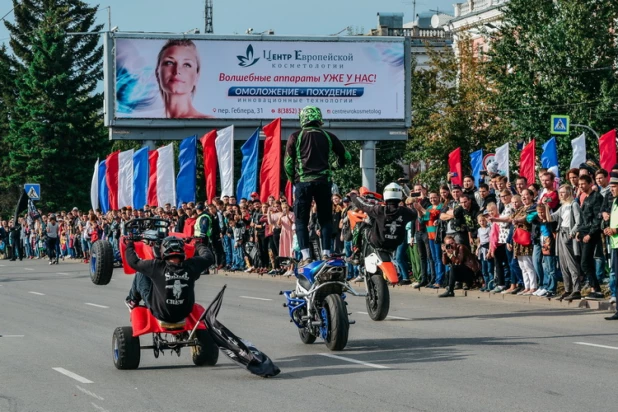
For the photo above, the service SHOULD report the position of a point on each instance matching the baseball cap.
(254, 194)
(456, 187)
(75, 209)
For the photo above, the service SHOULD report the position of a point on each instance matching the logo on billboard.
(248, 60)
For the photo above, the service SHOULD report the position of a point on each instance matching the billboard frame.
(174, 129)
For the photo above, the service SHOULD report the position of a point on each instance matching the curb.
(598, 305)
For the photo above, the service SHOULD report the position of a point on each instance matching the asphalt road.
(431, 355)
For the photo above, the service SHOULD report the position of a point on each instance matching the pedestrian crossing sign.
(33, 190)
(560, 124)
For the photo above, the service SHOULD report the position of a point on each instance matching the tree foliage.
(447, 111)
(555, 57)
(55, 131)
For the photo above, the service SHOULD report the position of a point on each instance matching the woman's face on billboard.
(178, 70)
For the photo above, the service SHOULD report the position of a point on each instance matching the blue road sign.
(33, 190)
(560, 124)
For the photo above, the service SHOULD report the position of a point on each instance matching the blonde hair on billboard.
(167, 45)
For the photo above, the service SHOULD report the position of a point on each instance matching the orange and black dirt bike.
(375, 265)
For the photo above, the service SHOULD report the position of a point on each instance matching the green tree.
(55, 129)
(555, 57)
(447, 111)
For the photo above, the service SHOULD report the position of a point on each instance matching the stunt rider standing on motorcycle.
(167, 284)
(307, 166)
(388, 230)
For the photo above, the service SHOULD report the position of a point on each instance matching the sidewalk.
(602, 305)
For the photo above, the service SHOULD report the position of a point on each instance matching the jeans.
(305, 192)
(487, 268)
(549, 269)
(352, 269)
(436, 255)
(401, 262)
(516, 275)
(141, 289)
(599, 265)
(612, 272)
(537, 261)
(424, 250)
(228, 247)
(239, 258)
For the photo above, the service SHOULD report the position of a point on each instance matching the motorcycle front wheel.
(378, 300)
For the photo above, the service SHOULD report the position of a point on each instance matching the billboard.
(254, 79)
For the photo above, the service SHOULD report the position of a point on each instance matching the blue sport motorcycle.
(317, 306)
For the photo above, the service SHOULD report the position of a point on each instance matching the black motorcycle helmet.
(172, 247)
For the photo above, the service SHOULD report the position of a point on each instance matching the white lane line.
(11, 336)
(373, 365)
(1, 266)
(28, 269)
(37, 293)
(97, 306)
(99, 408)
(596, 346)
(389, 316)
(251, 297)
(61, 273)
(72, 375)
(87, 392)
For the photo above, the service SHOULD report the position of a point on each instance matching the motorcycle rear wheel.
(306, 337)
(378, 300)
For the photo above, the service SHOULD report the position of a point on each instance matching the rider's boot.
(447, 294)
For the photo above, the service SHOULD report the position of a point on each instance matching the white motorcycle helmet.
(393, 192)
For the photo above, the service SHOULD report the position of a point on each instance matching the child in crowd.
(239, 253)
(548, 249)
(487, 264)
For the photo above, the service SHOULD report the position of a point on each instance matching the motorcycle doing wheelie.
(317, 306)
(375, 265)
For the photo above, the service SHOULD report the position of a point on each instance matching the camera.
(415, 194)
(449, 246)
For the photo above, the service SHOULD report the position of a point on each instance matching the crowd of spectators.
(524, 239)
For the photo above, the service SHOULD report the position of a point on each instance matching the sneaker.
(416, 285)
(542, 292)
(248, 270)
(498, 289)
(594, 296)
(564, 295)
(516, 290)
(405, 282)
(51, 262)
(612, 300)
(305, 262)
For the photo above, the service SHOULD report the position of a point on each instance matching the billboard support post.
(368, 164)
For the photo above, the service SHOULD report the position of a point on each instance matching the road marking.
(389, 316)
(72, 375)
(97, 306)
(251, 297)
(11, 336)
(37, 293)
(1, 266)
(28, 269)
(87, 392)
(61, 273)
(596, 346)
(373, 365)
(99, 408)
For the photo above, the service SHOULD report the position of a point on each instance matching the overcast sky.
(286, 17)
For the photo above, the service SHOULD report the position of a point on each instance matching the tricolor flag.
(502, 160)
